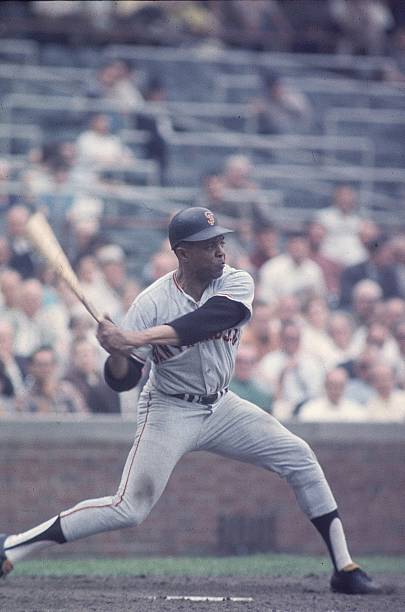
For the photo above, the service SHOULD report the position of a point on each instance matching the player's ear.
(182, 253)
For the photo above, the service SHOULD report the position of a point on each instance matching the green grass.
(254, 565)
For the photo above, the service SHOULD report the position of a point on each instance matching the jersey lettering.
(176, 369)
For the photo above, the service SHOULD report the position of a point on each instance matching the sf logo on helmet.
(210, 218)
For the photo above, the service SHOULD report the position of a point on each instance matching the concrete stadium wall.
(211, 505)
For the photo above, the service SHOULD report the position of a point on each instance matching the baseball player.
(188, 324)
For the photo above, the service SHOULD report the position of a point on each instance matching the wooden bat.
(45, 242)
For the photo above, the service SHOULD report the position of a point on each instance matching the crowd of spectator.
(327, 332)
(326, 340)
(327, 336)
(320, 26)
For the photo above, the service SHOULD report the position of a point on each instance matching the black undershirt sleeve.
(217, 314)
(129, 381)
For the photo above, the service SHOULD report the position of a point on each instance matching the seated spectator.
(162, 262)
(39, 324)
(290, 375)
(22, 259)
(260, 25)
(84, 238)
(291, 273)
(117, 81)
(5, 254)
(379, 335)
(157, 126)
(265, 244)
(238, 174)
(342, 243)
(374, 267)
(212, 194)
(10, 296)
(14, 366)
(399, 335)
(398, 247)
(332, 405)
(46, 393)
(98, 147)
(288, 308)
(388, 404)
(393, 313)
(366, 297)
(262, 330)
(85, 375)
(341, 329)
(91, 279)
(359, 388)
(243, 379)
(331, 270)
(363, 26)
(7, 394)
(131, 289)
(316, 340)
(281, 109)
(111, 259)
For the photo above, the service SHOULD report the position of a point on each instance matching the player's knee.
(304, 451)
(303, 461)
(136, 507)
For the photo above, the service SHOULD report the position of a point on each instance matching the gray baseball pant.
(167, 428)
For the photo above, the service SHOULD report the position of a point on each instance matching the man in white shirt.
(332, 405)
(292, 273)
(14, 366)
(289, 374)
(342, 243)
(388, 405)
(39, 325)
(97, 146)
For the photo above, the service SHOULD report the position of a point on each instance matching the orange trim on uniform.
(176, 282)
(136, 449)
(73, 511)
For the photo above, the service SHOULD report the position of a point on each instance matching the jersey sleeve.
(141, 316)
(238, 286)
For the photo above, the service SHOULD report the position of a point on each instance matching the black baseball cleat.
(5, 565)
(354, 582)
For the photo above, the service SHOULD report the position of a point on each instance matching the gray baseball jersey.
(205, 367)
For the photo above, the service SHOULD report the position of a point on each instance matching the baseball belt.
(206, 400)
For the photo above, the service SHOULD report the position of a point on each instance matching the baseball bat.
(45, 242)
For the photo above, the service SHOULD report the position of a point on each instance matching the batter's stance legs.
(240, 430)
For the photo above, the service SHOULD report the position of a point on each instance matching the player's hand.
(112, 338)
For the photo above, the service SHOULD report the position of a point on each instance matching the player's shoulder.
(155, 290)
(234, 275)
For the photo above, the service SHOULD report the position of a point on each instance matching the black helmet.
(194, 224)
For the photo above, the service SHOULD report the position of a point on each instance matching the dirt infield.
(281, 594)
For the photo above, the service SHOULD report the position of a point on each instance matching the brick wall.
(46, 467)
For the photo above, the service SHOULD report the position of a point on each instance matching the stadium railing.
(191, 153)
(360, 64)
(385, 127)
(16, 78)
(27, 50)
(20, 137)
(227, 85)
(239, 114)
(380, 189)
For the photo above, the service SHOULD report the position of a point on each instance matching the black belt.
(206, 400)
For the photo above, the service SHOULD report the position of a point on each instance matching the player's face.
(207, 257)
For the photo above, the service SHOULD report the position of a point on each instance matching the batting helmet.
(193, 225)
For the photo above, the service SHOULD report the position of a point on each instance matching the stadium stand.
(340, 121)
